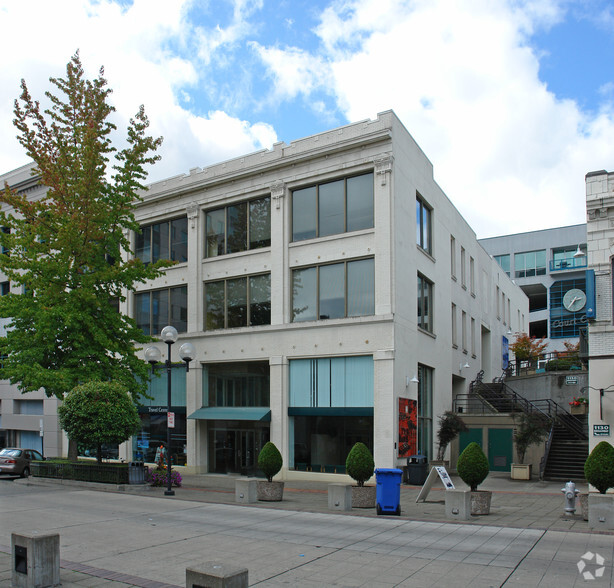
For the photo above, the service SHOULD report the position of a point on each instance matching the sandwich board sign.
(437, 472)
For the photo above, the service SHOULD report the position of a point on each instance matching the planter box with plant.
(473, 468)
(270, 462)
(531, 430)
(599, 472)
(578, 405)
(360, 466)
(450, 425)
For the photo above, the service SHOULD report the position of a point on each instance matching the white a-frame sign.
(436, 472)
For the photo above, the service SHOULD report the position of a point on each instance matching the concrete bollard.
(458, 505)
(246, 490)
(215, 574)
(35, 560)
(339, 497)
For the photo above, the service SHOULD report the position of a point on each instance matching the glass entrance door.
(235, 450)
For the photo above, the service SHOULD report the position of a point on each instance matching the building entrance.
(235, 450)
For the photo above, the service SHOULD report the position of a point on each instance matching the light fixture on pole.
(153, 355)
(461, 366)
(579, 252)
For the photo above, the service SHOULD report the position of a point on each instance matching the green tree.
(96, 413)
(67, 254)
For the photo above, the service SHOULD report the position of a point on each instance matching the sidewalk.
(532, 512)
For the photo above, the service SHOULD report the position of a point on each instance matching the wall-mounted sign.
(170, 419)
(571, 380)
(601, 430)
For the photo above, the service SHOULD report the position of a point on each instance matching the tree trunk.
(99, 453)
(73, 452)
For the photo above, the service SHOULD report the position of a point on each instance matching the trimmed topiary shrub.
(359, 464)
(599, 467)
(472, 466)
(270, 460)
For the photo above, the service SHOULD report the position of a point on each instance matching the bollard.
(35, 560)
(570, 497)
(214, 574)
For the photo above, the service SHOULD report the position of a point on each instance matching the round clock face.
(574, 300)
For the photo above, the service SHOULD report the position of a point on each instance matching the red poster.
(408, 427)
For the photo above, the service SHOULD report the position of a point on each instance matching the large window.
(565, 258)
(425, 307)
(529, 264)
(336, 290)
(239, 227)
(504, 262)
(423, 224)
(166, 240)
(332, 208)
(425, 410)
(157, 308)
(330, 409)
(238, 302)
(236, 384)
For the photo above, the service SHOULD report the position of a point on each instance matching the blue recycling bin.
(388, 491)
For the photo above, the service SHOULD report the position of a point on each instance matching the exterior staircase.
(567, 445)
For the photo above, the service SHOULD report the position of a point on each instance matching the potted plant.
(599, 472)
(270, 462)
(531, 431)
(578, 405)
(473, 468)
(359, 465)
(450, 425)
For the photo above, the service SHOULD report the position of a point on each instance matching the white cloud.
(147, 49)
(462, 78)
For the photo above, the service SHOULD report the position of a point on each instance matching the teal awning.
(232, 413)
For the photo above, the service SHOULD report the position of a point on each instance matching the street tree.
(98, 413)
(67, 254)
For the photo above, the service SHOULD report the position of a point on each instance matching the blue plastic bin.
(388, 491)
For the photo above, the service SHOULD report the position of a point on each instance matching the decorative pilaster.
(383, 166)
(192, 211)
(278, 190)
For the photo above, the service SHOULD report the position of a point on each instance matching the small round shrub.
(359, 464)
(270, 460)
(599, 467)
(472, 466)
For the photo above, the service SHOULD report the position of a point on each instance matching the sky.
(511, 100)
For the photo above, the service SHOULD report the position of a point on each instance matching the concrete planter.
(601, 511)
(270, 491)
(521, 471)
(480, 502)
(363, 496)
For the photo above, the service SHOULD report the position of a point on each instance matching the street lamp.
(152, 354)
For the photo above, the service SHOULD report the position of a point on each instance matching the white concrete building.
(600, 222)
(548, 264)
(318, 281)
(333, 294)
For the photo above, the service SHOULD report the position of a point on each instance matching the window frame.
(168, 289)
(249, 229)
(171, 245)
(424, 224)
(424, 309)
(346, 293)
(346, 211)
(248, 301)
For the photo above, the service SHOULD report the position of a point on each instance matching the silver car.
(16, 462)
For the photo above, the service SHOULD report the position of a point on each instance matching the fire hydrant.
(570, 497)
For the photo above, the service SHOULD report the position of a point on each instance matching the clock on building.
(574, 300)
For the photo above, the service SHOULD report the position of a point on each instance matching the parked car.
(16, 462)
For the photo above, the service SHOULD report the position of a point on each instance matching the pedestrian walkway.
(135, 536)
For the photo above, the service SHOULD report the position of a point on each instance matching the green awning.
(232, 413)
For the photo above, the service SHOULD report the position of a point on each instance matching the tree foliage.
(67, 254)
(532, 429)
(96, 413)
(450, 425)
(525, 347)
(472, 466)
(599, 467)
(270, 460)
(359, 464)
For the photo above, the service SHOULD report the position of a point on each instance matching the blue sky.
(511, 100)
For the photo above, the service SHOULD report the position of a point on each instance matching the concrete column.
(35, 560)
(195, 429)
(385, 418)
(279, 407)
